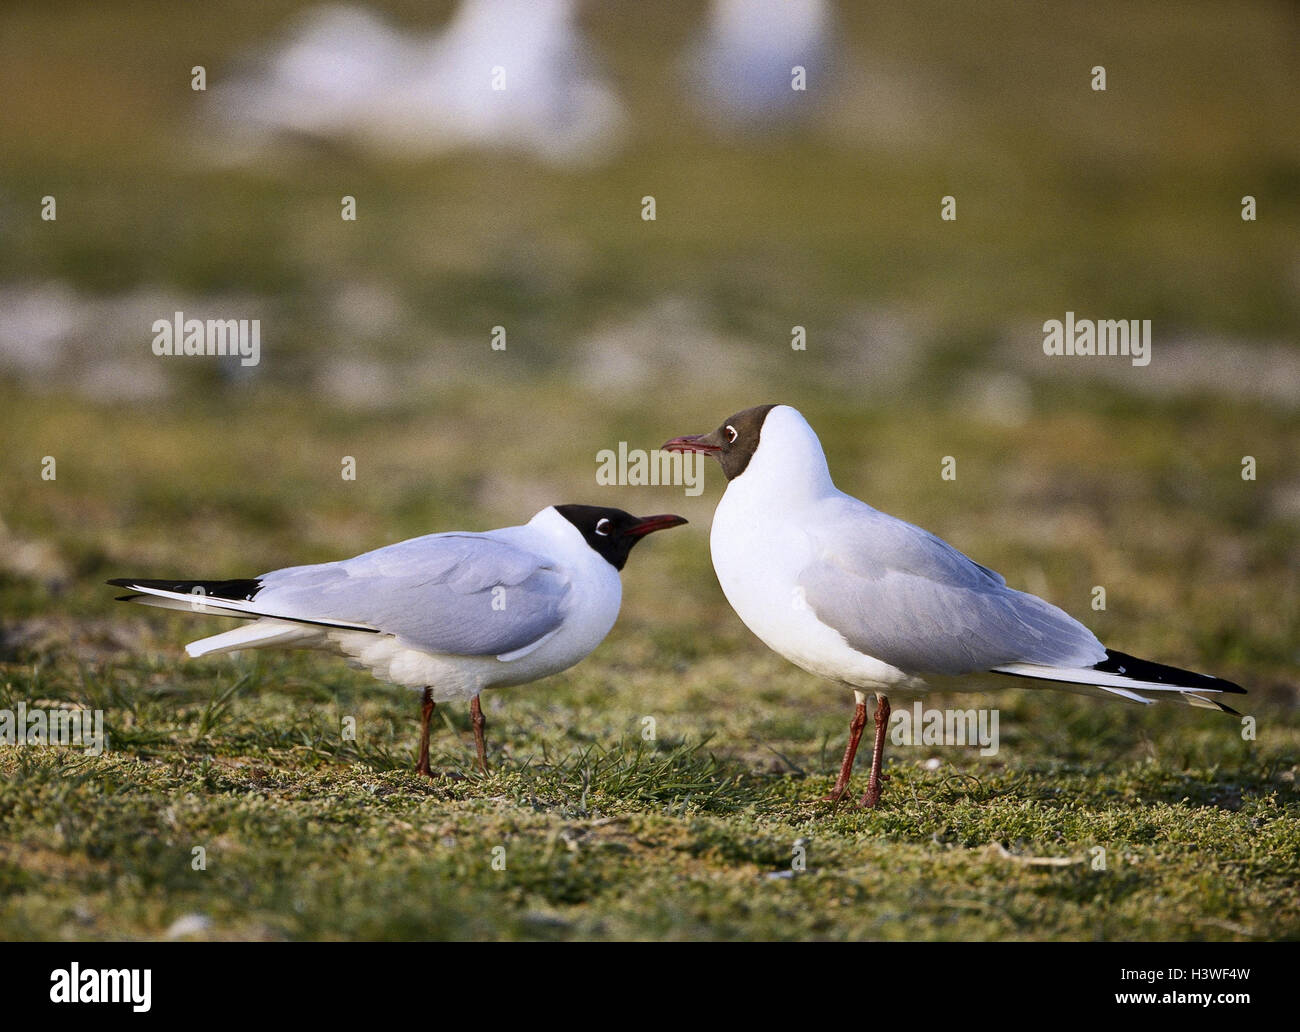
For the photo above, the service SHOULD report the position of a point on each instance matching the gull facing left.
(853, 594)
(446, 614)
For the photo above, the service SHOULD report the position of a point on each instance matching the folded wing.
(901, 595)
(463, 594)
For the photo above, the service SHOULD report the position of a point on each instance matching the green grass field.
(606, 834)
(1094, 820)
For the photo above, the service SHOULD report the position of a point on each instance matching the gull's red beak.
(649, 524)
(692, 443)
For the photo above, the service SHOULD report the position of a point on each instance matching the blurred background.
(775, 208)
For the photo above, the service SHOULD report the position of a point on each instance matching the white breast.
(759, 552)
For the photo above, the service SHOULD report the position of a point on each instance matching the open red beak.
(691, 443)
(649, 524)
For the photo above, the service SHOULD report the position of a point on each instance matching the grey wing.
(908, 598)
(465, 594)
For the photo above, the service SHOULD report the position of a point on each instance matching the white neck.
(556, 527)
(789, 460)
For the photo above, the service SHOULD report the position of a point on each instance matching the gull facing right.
(448, 614)
(852, 594)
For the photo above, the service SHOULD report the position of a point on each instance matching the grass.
(569, 838)
(1122, 204)
(309, 833)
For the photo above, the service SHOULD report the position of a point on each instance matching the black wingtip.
(1144, 670)
(237, 590)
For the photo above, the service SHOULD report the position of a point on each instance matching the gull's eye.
(602, 527)
(730, 431)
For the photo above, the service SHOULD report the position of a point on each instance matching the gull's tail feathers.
(1137, 680)
(259, 634)
(217, 598)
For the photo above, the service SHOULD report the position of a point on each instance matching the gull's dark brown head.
(732, 444)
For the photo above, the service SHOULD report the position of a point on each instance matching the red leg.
(480, 743)
(426, 715)
(856, 725)
(874, 785)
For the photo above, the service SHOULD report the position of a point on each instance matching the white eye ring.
(730, 431)
(602, 527)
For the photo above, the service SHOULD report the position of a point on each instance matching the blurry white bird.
(855, 595)
(339, 65)
(508, 74)
(742, 66)
(448, 614)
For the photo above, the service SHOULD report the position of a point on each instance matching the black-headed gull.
(855, 595)
(447, 614)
